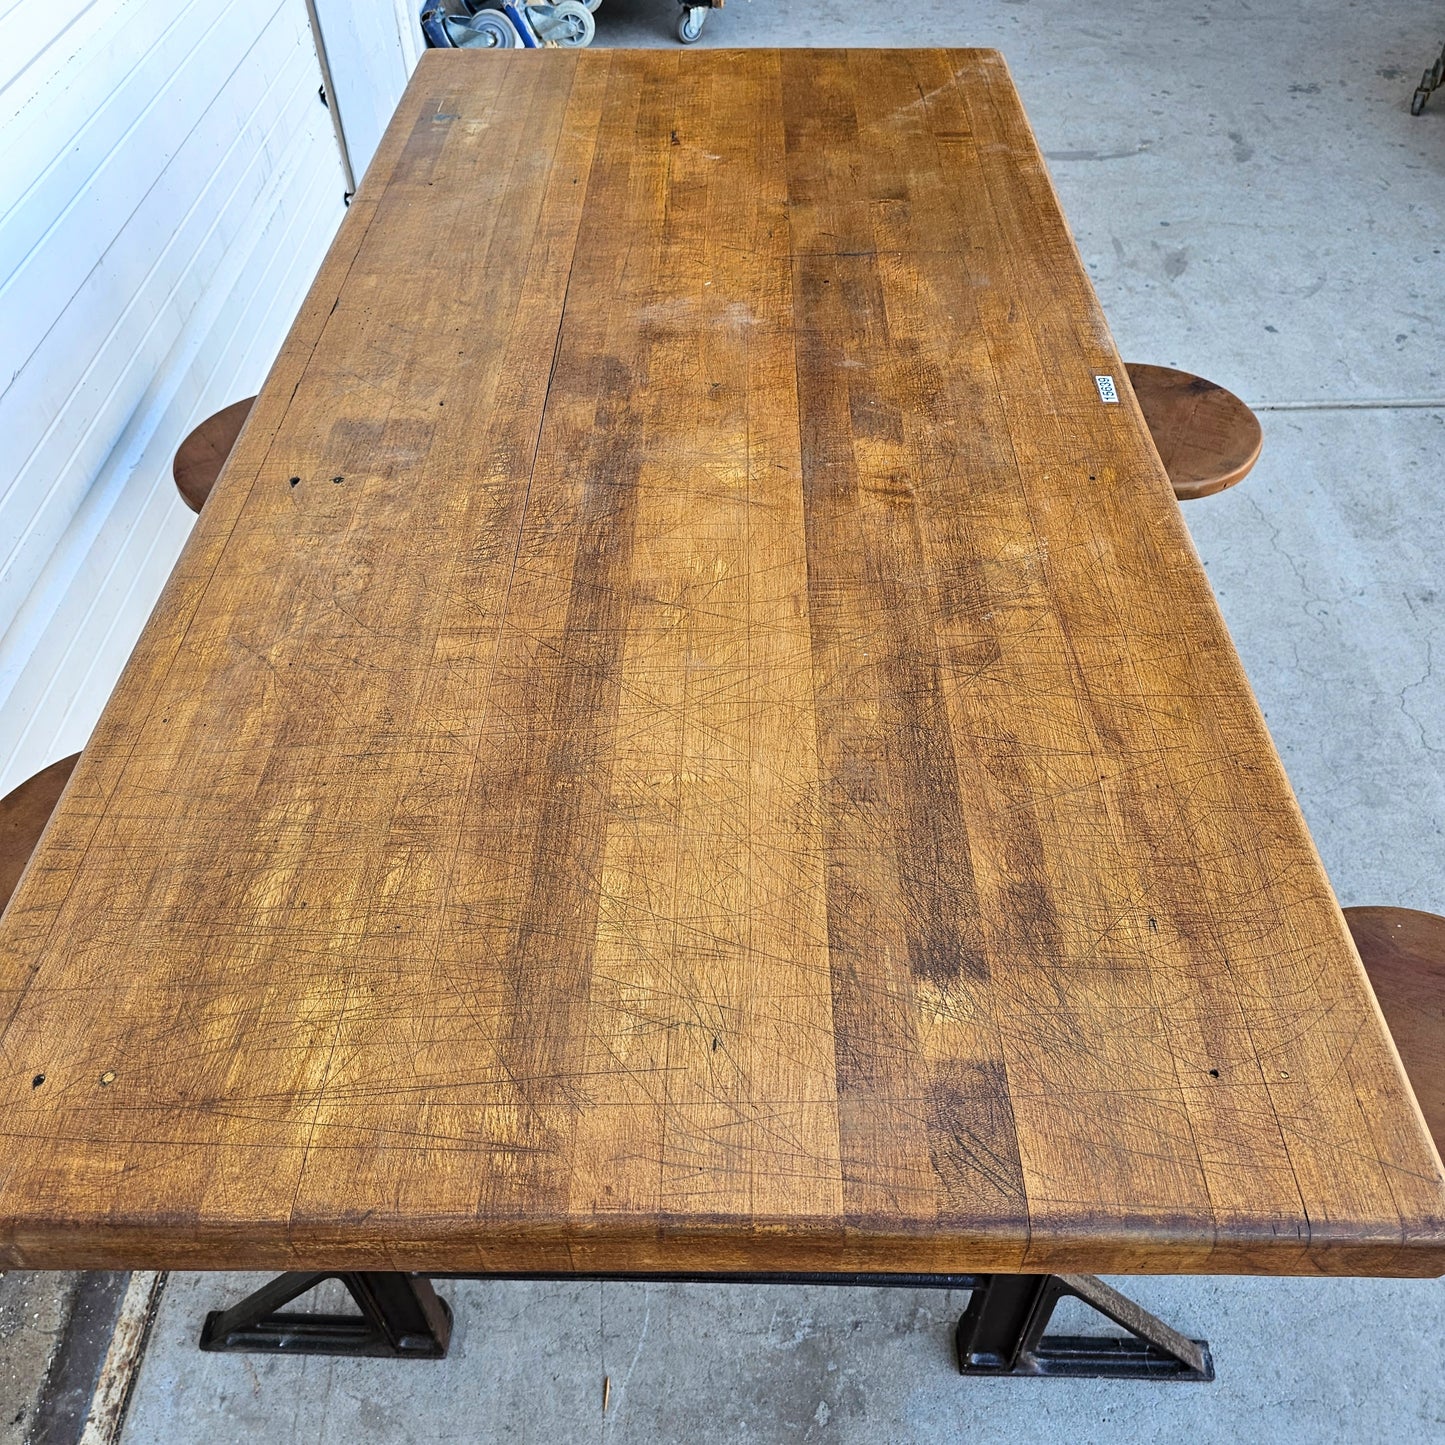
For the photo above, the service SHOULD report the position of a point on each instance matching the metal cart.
(507, 24)
(516, 25)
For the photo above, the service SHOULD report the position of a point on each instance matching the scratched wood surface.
(689, 736)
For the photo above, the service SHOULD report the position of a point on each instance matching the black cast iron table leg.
(401, 1318)
(1002, 1333)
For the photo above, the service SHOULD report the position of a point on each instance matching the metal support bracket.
(401, 1318)
(1002, 1333)
(1429, 82)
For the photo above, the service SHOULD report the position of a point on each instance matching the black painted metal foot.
(401, 1318)
(1430, 81)
(1002, 1333)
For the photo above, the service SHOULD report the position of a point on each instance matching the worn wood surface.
(24, 812)
(1403, 951)
(203, 453)
(688, 735)
(1207, 438)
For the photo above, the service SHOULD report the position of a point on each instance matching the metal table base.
(1003, 1331)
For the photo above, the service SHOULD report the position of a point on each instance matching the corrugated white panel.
(169, 181)
(372, 49)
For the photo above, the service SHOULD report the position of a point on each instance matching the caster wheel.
(486, 30)
(568, 24)
(690, 22)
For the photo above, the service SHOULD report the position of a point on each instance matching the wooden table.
(691, 738)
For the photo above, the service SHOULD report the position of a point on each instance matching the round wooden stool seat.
(1206, 437)
(201, 456)
(1403, 951)
(24, 812)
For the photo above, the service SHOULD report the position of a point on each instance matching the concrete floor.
(1302, 1361)
(34, 1310)
(1255, 203)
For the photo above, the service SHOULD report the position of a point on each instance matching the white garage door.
(169, 181)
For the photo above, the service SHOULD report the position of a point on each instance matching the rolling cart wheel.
(486, 30)
(569, 23)
(690, 22)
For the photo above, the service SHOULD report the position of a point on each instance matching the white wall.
(372, 47)
(169, 181)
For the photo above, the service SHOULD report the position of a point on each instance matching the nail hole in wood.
(36, 1082)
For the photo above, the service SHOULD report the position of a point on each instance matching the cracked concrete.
(1271, 148)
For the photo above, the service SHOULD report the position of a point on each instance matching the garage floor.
(1255, 203)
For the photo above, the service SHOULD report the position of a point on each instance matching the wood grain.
(203, 453)
(1207, 438)
(689, 736)
(1403, 951)
(24, 812)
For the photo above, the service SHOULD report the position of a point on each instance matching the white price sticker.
(1106, 388)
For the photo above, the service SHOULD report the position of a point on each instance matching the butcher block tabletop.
(690, 735)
